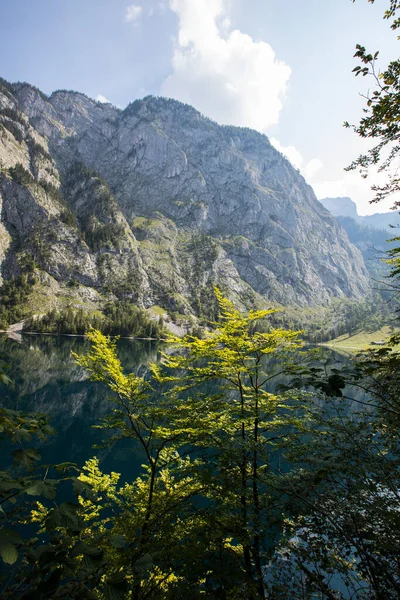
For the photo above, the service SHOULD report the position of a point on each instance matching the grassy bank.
(360, 340)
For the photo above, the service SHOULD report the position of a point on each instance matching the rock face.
(156, 203)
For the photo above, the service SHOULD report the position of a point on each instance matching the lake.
(46, 379)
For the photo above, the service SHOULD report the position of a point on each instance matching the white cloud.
(102, 99)
(132, 13)
(225, 74)
(312, 167)
(347, 184)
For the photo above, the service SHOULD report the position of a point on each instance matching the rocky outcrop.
(156, 203)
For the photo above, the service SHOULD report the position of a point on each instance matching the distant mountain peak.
(341, 207)
(345, 207)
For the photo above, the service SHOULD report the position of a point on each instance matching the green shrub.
(20, 175)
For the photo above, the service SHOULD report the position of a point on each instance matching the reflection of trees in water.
(43, 360)
(46, 379)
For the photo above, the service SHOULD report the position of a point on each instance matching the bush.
(20, 175)
(14, 129)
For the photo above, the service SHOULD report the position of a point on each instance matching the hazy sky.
(282, 67)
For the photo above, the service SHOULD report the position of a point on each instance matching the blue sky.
(283, 68)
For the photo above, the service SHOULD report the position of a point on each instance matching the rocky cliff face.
(156, 203)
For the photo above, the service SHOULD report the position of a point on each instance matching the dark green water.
(46, 379)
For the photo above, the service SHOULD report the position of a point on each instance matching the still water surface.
(46, 379)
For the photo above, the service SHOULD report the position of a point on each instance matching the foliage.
(20, 428)
(98, 222)
(99, 236)
(14, 294)
(14, 129)
(381, 115)
(6, 85)
(381, 123)
(52, 190)
(342, 316)
(37, 150)
(68, 217)
(351, 531)
(338, 500)
(20, 175)
(247, 489)
(202, 452)
(123, 318)
(65, 560)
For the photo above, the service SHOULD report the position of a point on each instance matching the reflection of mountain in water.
(47, 380)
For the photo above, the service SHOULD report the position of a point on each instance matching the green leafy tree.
(242, 480)
(348, 529)
(241, 426)
(206, 507)
(380, 122)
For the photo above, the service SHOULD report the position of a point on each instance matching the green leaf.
(116, 588)
(86, 550)
(47, 489)
(70, 509)
(143, 564)
(65, 516)
(26, 458)
(118, 541)
(62, 467)
(8, 552)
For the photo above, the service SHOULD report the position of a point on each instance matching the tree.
(239, 481)
(347, 538)
(381, 120)
(204, 507)
(242, 427)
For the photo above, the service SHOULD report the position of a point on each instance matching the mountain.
(155, 204)
(341, 207)
(371, 234)
(345, 207)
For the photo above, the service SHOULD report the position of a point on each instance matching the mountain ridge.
(163, 202)
(346, 207)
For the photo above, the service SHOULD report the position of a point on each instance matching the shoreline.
(81, 335)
